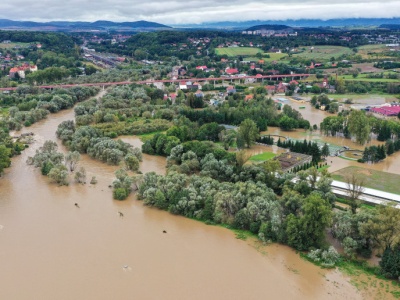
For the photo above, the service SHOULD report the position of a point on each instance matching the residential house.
(231, 71)
(231, 89)
(21, 70)
(199, 94)
(183, 85)
(197, 85)
(173, 96)
(203, 68)
(249, 97)
(270, 88)
(281, 88)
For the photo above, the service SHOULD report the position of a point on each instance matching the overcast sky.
(194, 11)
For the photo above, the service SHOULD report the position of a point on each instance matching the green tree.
(248, 131)
(5, 161)
(325, 150)
(359, 126)
(59, 174)
(390, 263)
(131, 162)
(72, 159)
(80, 175)
(384, 228)
(308, 230)
(354, 189)
(340, 86)
(288, 123)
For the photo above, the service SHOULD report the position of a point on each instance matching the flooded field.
(391, 164)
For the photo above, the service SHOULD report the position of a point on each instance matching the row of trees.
(310, 148)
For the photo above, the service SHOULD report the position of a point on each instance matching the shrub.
(326, 258)
(120, 194)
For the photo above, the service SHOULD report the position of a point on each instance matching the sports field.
(236, 51)
(323, 53)
(383, 181)
(262, 157)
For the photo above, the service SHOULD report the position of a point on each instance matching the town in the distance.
(286, 135)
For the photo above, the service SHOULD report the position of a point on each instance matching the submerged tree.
(80, 175)
(72, 159)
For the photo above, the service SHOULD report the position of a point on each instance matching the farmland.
(237, 51)
(323, 53)
(370, 51)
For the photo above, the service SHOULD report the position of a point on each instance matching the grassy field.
(369, 51)
(12, 45)
(378, 180)
(262, 157)
(148, 136)
(324, 53)
(365, 98)
(363, 77)
(272, 57)
(236, 51)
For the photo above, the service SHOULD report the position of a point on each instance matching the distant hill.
(390, 26)
(269, 27)
(300, 23)
(70, 26)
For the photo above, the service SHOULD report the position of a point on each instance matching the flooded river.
(50, 249)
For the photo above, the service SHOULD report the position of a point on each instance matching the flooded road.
(50, 249)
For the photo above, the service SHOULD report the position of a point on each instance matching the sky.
(194, 11)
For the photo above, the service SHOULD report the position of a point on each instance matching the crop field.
(324, 53)
(236, 51)
(383, 181)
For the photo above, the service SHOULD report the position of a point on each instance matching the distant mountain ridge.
(351, 22)
(270, 27)
(66, 25)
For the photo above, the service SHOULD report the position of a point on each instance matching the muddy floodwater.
(315, 116)
(51, 249)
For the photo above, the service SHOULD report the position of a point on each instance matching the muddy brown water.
(50, 249)
(391, 164)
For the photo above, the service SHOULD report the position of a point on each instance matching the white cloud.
(195, 11)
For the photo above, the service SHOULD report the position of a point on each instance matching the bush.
(120, 194)
(326, 258)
